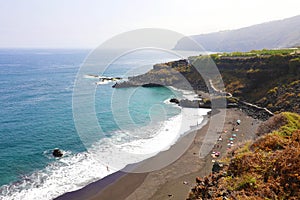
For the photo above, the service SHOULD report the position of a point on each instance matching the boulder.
(57, 153)
(173, 100)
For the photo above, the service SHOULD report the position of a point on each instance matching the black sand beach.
(175, 180)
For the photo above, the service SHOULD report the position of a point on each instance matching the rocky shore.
(268, 79)
(175, 74)
(251, 110)
(182, 75)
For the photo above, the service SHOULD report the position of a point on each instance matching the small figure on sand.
(220, 139)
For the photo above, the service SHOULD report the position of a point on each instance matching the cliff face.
(268, 78)
(283, 97)
(179, 74)
(269, 81)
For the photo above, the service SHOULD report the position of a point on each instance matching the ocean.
(36, 116)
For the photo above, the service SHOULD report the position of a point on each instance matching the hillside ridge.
(275, 34)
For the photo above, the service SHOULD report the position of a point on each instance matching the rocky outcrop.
(267, 79)
(175, 73)
(173, 100)
(125, 84)
(255, 111)
(152, 85)
(57, 153)
(283, 98)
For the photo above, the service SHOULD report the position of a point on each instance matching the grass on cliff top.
(292, 124)
(267, 168)
(263, 52)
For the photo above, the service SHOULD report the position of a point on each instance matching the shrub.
(269, 169)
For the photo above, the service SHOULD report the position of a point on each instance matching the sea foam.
(105, 157)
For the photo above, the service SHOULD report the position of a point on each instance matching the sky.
(88, 23)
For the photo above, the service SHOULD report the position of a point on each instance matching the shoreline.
(109, 179)
(169, 180)
(101, 186)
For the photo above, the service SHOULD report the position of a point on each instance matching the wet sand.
(175, 180)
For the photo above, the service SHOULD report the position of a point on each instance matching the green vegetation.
(232, 100)
(293, 124)
(257, 53)
(274, 51)
(253, 70)
(273, 90)
(267, 168)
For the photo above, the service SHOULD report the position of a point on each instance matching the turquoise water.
(36, 91)
(36, 116)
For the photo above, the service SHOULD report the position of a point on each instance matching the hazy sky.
(87, 23)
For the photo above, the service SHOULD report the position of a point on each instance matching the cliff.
(179, 74)
(267, 78)
(270, 81)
